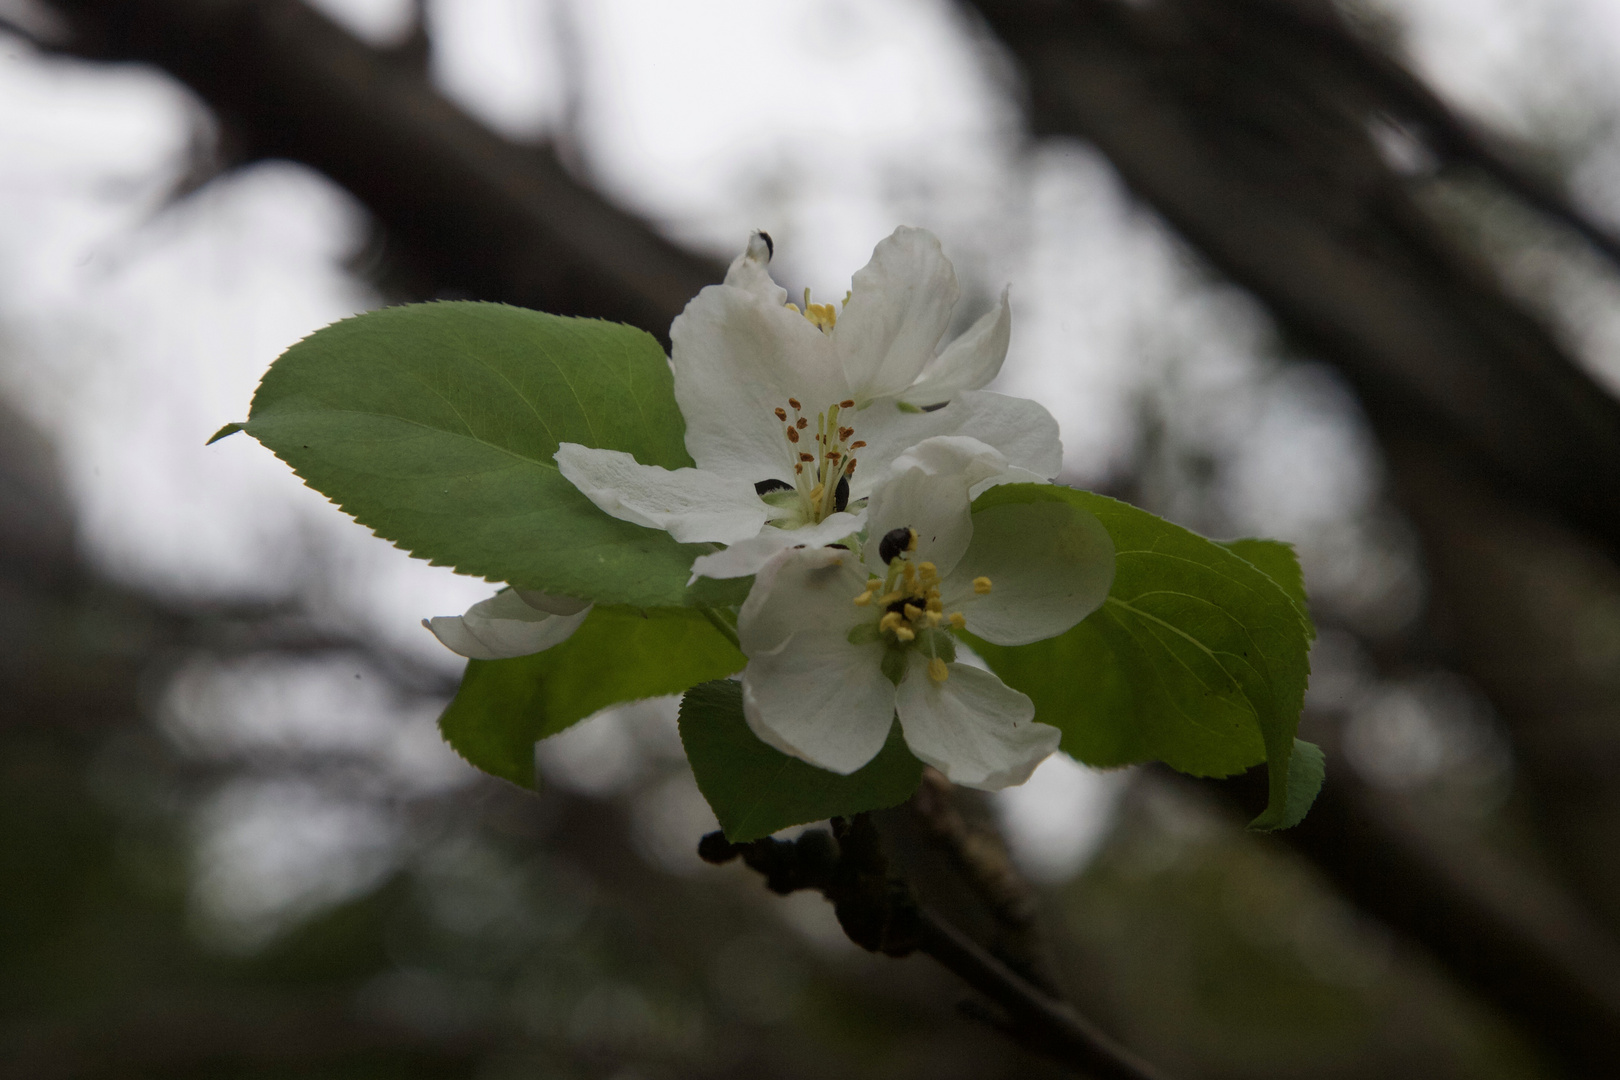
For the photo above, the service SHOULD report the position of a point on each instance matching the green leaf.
(1198, 658)
(617, 654)
(1306, 770)
(755, 789)
(436, 426)
(1278, 561)
(229, 429)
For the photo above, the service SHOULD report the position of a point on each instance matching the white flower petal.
(798, 588)
(736, 358)
(969, 362)
(750, 272)
(926, 489)
(504, 626)
(899, 307)
(690, 504)
(1049, 564)
(972, 727)
(820, 699)
(749, 556)
(1022, 430)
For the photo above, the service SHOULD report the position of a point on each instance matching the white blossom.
(840, 642)
(792, 414)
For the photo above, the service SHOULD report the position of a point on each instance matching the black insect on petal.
(841, 494)
(765, 487)
(770, 245)
(844, 546)
(893, 543)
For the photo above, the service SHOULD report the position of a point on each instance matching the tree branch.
(878, 911)
(475, 215)
(1228, 122)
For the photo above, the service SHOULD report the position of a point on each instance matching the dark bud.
(893, 543)
(841, 494)
(765, 487)
(935, 408)
(770, 245)
(843, 546)
(715, 848)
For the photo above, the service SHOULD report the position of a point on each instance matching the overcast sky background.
(132, 326)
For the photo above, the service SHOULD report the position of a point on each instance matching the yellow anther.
(913, 612)
(935, 604)
(874, 583)
(890, 621)
(937, 670)
(864, 599)
(912, 544)
(905, 633)
(793, 308)
(958, 620)
(889, 598)
(935, 618)
(981, 585)
(927, 569)
(822, 316)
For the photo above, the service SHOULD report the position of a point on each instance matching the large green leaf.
(617, 654)
(755, 789)
(1198, 658)
(436, 425)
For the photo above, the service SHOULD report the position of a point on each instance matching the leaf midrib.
(468, 436)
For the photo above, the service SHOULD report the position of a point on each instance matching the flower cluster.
(837, 451)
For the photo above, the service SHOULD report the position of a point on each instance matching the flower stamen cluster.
(913, 610)
(822, 316)
(821, 477)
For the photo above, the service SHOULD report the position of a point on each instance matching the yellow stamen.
(958, 620)
(934, 618)
(822, 316)
(981, 585)
(864, 599)
(889, 598)
(937, 670)
(890, 620)
(905, 633)
(935, 604)
(913, 612)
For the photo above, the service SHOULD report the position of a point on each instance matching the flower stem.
(724, 621)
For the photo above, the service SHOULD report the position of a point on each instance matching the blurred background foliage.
(231, 844)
